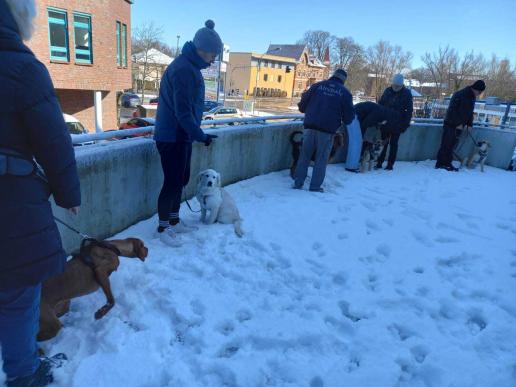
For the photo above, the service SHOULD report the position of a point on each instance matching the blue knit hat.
(207, 40)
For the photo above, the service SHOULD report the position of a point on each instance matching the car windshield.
(214, 110)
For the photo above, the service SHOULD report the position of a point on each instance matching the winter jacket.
(327, 105)
(181, 99)
(460, 110)
(31, 122)
(401, 103)
(370, 114)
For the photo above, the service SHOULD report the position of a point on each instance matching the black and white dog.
(478, 156)
(370, 154)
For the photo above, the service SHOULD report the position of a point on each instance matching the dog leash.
(83, 236)
(188, 204)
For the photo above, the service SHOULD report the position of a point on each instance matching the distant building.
(148, 69)
(265, 75)
(308, 69)
(85, 44)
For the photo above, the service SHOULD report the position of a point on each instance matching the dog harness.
(87, 245)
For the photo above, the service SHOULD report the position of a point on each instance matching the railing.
(207, 124)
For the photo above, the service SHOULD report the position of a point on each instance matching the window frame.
(89, 26)
(121, 44)
(66, 49)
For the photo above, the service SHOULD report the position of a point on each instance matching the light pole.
(177, 46)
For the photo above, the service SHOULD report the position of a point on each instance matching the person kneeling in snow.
(178, 120)
(327, 105)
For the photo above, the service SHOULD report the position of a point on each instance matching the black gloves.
(209, 139)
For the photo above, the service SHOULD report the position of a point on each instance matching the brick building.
(86, 46)
(309, 69)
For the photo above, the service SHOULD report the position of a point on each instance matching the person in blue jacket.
(327, 106)
(31, 128)
(398, 99)
(178, 120)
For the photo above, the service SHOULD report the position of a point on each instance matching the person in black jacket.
(399, 99)
(459, 116)
(327, 105)
(31, 127)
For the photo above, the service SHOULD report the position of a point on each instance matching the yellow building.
(265, 75)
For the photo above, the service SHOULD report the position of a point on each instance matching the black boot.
(389, 167)
(43, 375)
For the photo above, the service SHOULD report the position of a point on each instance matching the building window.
(265, 64)
(82, 35)
(121, 44)
(58, 35)
(279, 78)
(265, 77)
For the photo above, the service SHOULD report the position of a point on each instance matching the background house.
(85, 44)
(308, 69)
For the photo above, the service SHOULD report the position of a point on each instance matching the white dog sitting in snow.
(217, 201)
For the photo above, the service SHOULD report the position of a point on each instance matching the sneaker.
(449, 168)
(183, 228)
(352, 170)
(389, 167)
(43, 375)
(320, 190)
(295, 186)
(170, 237)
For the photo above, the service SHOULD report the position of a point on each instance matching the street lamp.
(177, 46)
(258, 73)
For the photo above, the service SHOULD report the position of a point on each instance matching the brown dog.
(85, 273)
(296, 140)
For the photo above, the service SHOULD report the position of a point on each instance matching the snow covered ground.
(404, 278)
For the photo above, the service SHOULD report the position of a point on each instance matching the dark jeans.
(175, 161)
(393, 138)
(448, 144)
(19, 325)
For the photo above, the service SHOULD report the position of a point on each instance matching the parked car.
(209, 105)
(74, 125)
(153, 101)
(221, 113)
(129, 100)
(139, 122)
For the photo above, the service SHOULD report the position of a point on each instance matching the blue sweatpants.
(19, 325)
(354, 145)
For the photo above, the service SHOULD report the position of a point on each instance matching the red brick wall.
(104, 74)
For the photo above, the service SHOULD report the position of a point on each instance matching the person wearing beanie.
(459, 116)
(178, 124)
(327, 106)
(398, 99)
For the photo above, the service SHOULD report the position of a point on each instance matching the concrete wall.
(121, 179)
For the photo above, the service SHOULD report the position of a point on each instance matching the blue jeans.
(319, 143)
(354, 145)
(19, 325)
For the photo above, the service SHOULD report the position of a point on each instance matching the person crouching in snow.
(31, 127)
(178, 120)
(327, 105)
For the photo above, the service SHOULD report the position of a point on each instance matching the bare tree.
(349, 55)
(145, 38)
(470, 67)
(501, 79)
(318, 42)
(383, 61)
(440, 66)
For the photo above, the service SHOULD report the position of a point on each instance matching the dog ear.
(199, 177)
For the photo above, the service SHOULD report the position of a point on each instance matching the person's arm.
(183, 85)
(48, 135)
(348, 112)
(305, 98)
(454, 109)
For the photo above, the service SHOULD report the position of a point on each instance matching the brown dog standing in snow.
(85, 273)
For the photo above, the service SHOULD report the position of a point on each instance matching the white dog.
(217, 201)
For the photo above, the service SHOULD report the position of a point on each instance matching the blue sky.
(486, 26)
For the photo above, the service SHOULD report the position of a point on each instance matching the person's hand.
(74, 210)
(209, 139)
(460, 127)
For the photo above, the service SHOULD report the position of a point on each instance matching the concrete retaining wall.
(121, 180)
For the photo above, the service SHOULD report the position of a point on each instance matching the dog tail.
(238, 228)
